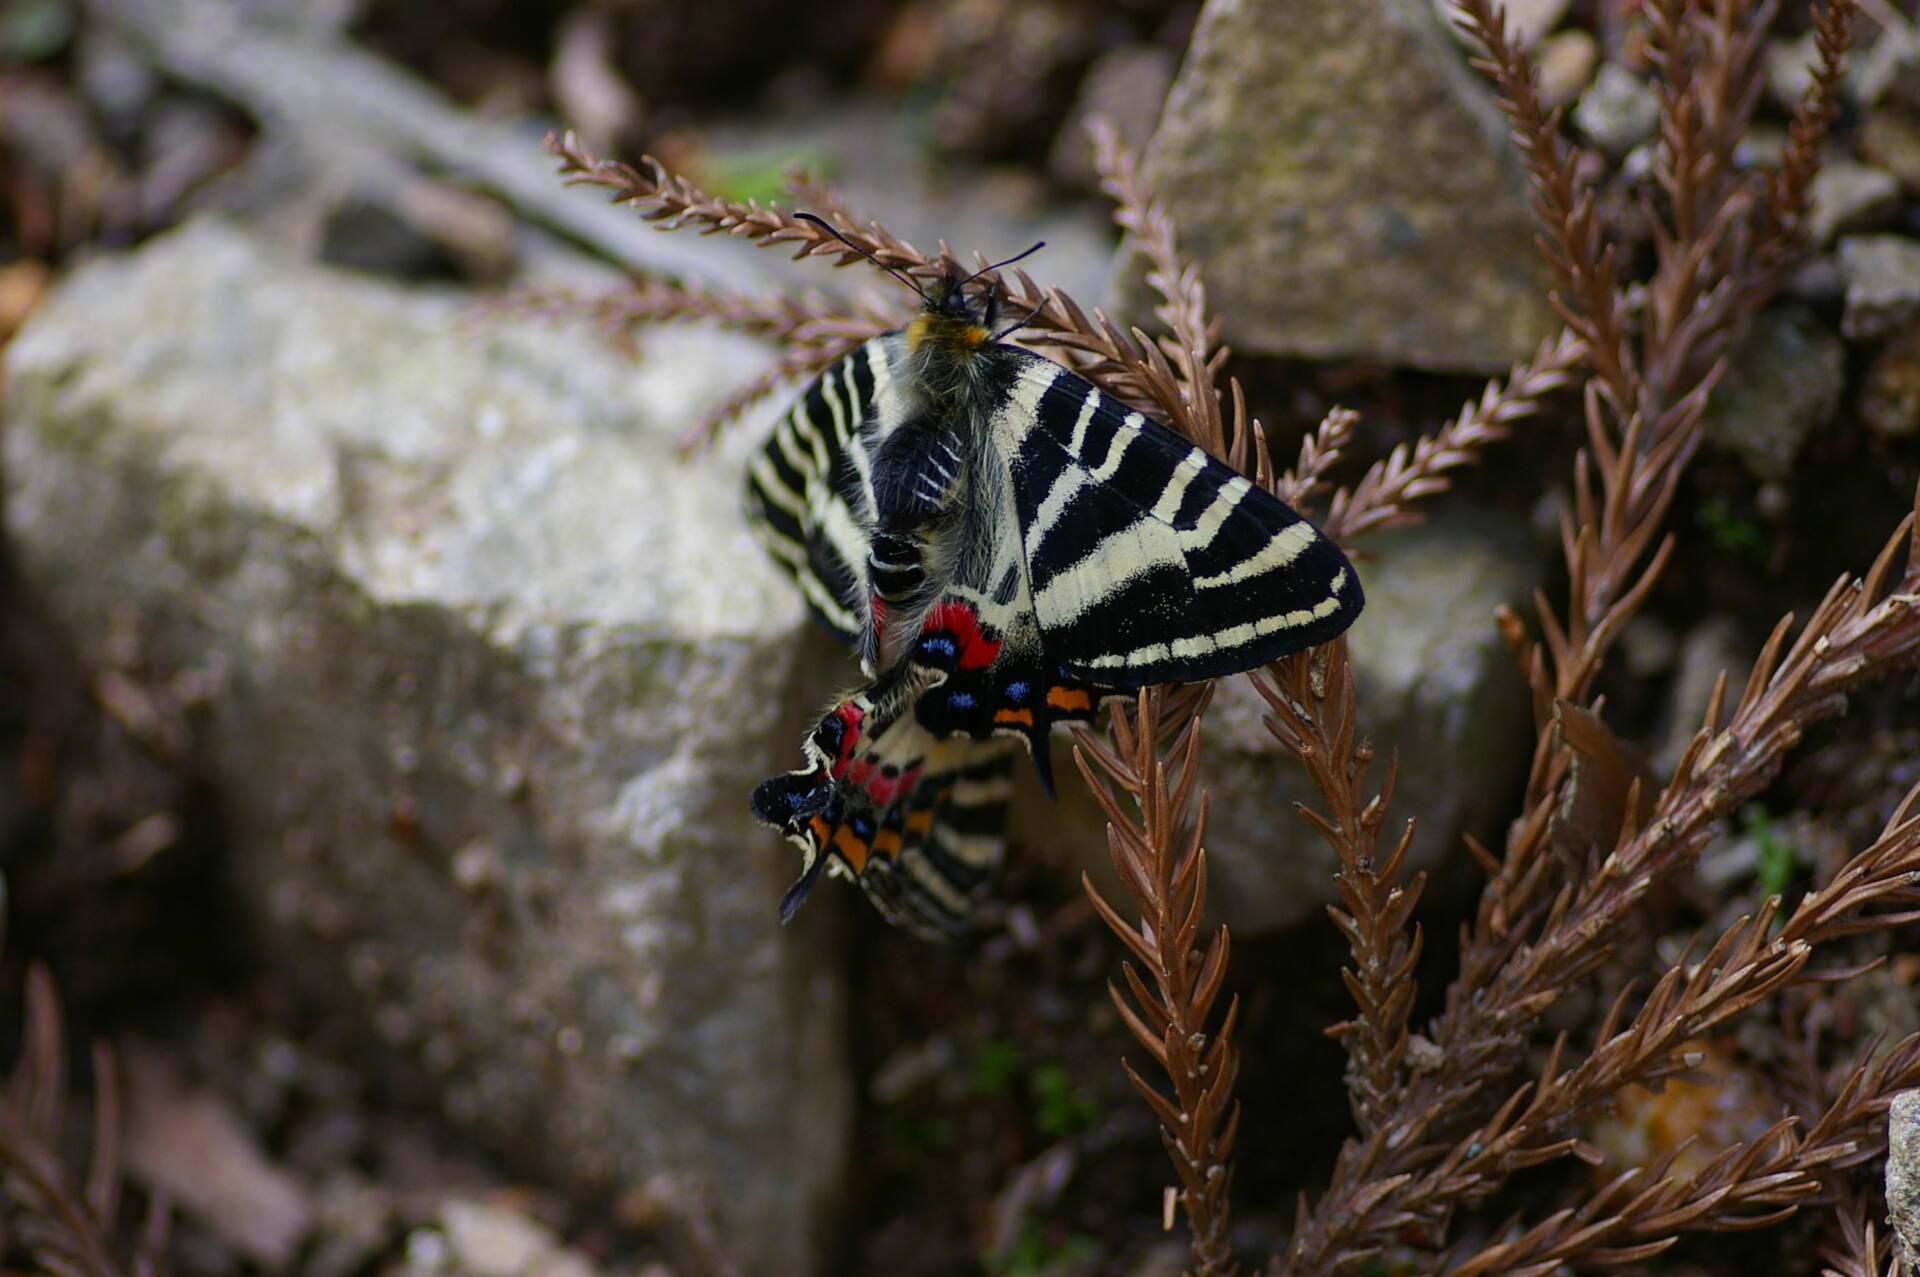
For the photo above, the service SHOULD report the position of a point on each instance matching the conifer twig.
(1156, 827)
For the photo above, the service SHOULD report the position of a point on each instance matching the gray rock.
(1891, 139)
(1903, 1176)
(495, 673)
(1882, 274)
(1785, 374)
(1890, 392)
(1789, 68)
(1618, 111)
(1342, 212)
(1847, 197)
(1436, 684)
(493, 1241)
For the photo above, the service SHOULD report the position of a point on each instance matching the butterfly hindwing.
(915, 819)
(808, 498)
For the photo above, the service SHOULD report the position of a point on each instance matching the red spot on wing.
(850, 716)
(882, 788)
(977, 651)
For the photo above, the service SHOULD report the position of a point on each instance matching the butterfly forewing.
(1148, 560)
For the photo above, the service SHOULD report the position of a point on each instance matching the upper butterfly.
(1006, 546)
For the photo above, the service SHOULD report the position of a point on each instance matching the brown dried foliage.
(67, 1227)
(1484, 1097)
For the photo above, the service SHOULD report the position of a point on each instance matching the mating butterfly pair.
(1006, 547)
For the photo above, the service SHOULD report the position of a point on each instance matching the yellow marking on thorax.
(959, 334)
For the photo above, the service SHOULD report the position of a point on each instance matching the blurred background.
(380, 685)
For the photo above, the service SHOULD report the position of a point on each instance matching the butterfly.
(1006, 547)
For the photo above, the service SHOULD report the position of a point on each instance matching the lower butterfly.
(1007, 547)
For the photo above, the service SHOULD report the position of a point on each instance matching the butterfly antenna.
(1024, 320)
(902, 276)
(1037, 246)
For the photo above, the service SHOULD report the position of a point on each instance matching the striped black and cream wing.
(915, 819)
(1149, 561)
(809, 498)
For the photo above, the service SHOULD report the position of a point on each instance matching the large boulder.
(1346, 184)
(494, 671)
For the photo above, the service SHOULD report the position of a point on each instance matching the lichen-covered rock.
(1618, 111)
(1785, 373)
(1882, 275)
(1903, 1176)
(496, 672)
(1890, 391)
(1347, 186)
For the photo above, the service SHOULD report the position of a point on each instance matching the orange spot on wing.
(886, 843)
(919, 822)
(1067, 698)
(1024, 717)
(849, 845)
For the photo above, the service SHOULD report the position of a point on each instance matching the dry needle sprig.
(1861, 631)
(1643, 417)
(1193, 340)
(1783, 230)
(1852, 1245)
(1313, 712)
(1385, 495)
(1563, 201)
(1127, 364)
(1750, 1185)
(1155, 832)
(67, 1226)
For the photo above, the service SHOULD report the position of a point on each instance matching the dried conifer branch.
(1860, 631)
(67, 1228)
(1095, 345)
(1384, 496)
(1588, 297)
(1156, 827)
(1313, 712)
(1642, 429)
(1747, 1186)
(1320, 451)
(1193, 344)
(1853, 1246)
(1783, 233)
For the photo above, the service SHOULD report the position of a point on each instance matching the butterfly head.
(948, 322)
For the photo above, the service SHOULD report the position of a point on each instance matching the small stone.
(1882, 273)
(1903, 1176)
(1886, 70)
(1891, 139)
(1566, 61)
(1789, 65)
(1618, 112)
(1710, 648)
(1847, 196)
(1528, 21)
(1784, 375)
(1890, 392)
(1128, 86)
(491, 1241)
